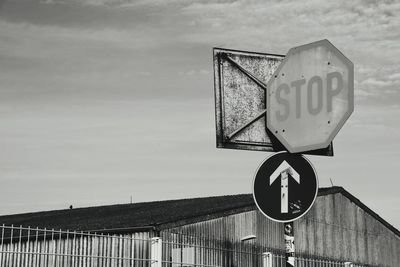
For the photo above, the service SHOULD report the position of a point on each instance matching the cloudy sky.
(101, 100)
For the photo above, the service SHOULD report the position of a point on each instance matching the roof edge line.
(358, 202)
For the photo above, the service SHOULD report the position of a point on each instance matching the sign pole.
(289, 244)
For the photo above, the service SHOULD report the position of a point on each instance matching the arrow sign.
(284, 166)
(283, 172)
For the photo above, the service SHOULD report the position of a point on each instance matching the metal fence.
(34, 247)
(271, 260)
(180, 250)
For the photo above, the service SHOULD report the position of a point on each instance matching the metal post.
(267, 259)
(156, 252)
(289, 244)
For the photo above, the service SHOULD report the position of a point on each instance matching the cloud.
(364, 30)
(127, 3)
(378, 83)
(168, 33)
(63, 51)
(144, 73)
(394, 76)
(194, 72)
(51, 37)
(287, 22)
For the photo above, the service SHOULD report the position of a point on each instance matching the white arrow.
(282, 171)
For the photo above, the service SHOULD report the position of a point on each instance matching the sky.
(102, 101)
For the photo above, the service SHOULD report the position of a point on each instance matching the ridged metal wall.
(335, 228)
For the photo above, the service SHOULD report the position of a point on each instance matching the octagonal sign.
(310, 96)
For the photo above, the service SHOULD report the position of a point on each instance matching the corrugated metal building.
(338, 227)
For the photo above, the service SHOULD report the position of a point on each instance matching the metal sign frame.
(228, 138)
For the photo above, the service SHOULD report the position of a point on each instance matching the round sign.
(285, 187)
(310, 96)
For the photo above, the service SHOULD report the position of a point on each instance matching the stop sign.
(310, 96)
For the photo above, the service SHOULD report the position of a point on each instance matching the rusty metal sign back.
(240, 80)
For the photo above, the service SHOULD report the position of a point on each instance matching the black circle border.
(312, 203)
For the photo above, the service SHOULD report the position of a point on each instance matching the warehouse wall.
(334, 228)
(338, 228)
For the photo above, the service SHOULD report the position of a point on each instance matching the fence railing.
(184, 251)
(34, 247)
(26, 247)
(272, 260)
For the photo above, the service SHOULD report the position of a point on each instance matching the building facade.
(212, 231)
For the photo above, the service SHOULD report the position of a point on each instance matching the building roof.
(153, 215)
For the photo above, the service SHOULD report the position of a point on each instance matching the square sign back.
(240, 80)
